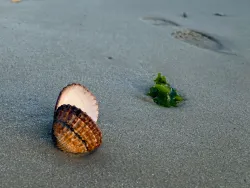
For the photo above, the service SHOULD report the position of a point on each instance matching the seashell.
(79, 96)
(75, 128)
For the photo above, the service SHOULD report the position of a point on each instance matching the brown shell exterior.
(74, 131)
(75, 84)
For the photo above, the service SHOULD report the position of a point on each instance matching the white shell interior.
(81, 98)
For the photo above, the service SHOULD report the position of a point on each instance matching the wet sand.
(116, 48)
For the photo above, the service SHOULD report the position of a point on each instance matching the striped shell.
(74, 130)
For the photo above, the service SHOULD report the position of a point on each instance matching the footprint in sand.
(158, 21)
(196, 38)
(199, 39)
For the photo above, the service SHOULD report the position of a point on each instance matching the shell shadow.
(45, 130)
(40, 118)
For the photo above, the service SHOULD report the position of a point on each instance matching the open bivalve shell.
(75, 128)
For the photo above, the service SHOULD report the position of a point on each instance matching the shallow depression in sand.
(198, 39)
(158, 21)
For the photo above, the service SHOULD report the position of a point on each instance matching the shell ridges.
(78, 126)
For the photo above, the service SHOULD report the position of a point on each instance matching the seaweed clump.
(163, 94)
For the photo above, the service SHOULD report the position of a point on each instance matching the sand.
(116, 48)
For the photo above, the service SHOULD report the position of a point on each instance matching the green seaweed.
(163, 94)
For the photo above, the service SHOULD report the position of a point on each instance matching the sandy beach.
(116, 48)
